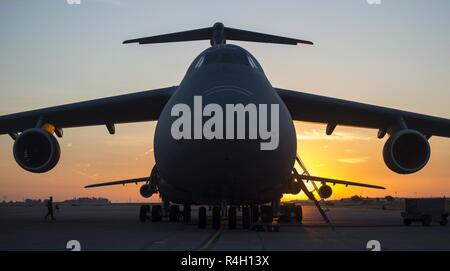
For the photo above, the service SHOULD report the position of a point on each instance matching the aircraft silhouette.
(215, 163)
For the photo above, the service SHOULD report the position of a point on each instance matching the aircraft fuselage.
(236, 170)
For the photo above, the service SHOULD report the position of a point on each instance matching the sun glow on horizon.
(71, 62)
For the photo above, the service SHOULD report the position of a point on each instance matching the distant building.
(33, 201)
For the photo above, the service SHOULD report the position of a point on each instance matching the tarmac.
(116, 227)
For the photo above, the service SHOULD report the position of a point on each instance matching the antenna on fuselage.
(218, 34)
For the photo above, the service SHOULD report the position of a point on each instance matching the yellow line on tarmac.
(211, 239)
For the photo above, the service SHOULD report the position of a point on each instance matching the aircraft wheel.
(202, 218)
(143, 213)
(187, 213)
(298, 213)
(444, 221)
(426, 221)
(407, 222)
(255, 213)
(174, 213)
(232, 218)
(156, 213)
(216, 217)
(285, 213)
(246, 219)
(266, 214)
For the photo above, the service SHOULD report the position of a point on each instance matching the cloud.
(353, 160)
(337, 136)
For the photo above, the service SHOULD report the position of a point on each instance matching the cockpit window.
(212, 58)
(225, 57)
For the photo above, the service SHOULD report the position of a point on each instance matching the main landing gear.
(232, 218)
(231, 214)
(250, 215)
(143, 213)
(174, 213)
(291, 212)
(156, 213)
(241, 216)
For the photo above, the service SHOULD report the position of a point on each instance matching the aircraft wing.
(124, 182)
(320, 109)
(332, 181)
(134, 107)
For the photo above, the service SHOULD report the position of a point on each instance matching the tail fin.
(218, 34)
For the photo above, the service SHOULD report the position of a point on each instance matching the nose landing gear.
(216, 217)
(232, 217)
(187, 213)
(202, 217)
(246, 217)
(174, 213)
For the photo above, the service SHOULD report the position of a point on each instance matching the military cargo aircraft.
(224, 135)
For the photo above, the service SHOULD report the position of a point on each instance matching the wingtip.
(92, 185)
(128, 41)
(307, 42)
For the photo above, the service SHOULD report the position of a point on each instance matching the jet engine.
(406, 151)
(325, 191)
(36, 150)
(146, 191)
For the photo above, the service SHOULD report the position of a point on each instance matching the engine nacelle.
(406, 151)
(146, 191)
(325, 191)
(292, 187)
(36, 150)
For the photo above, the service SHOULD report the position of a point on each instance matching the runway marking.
(211, 239)
(261, 240)
(159, 241)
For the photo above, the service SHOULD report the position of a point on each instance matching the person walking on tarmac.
(49, 205)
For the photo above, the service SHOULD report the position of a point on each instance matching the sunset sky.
(395, 54)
